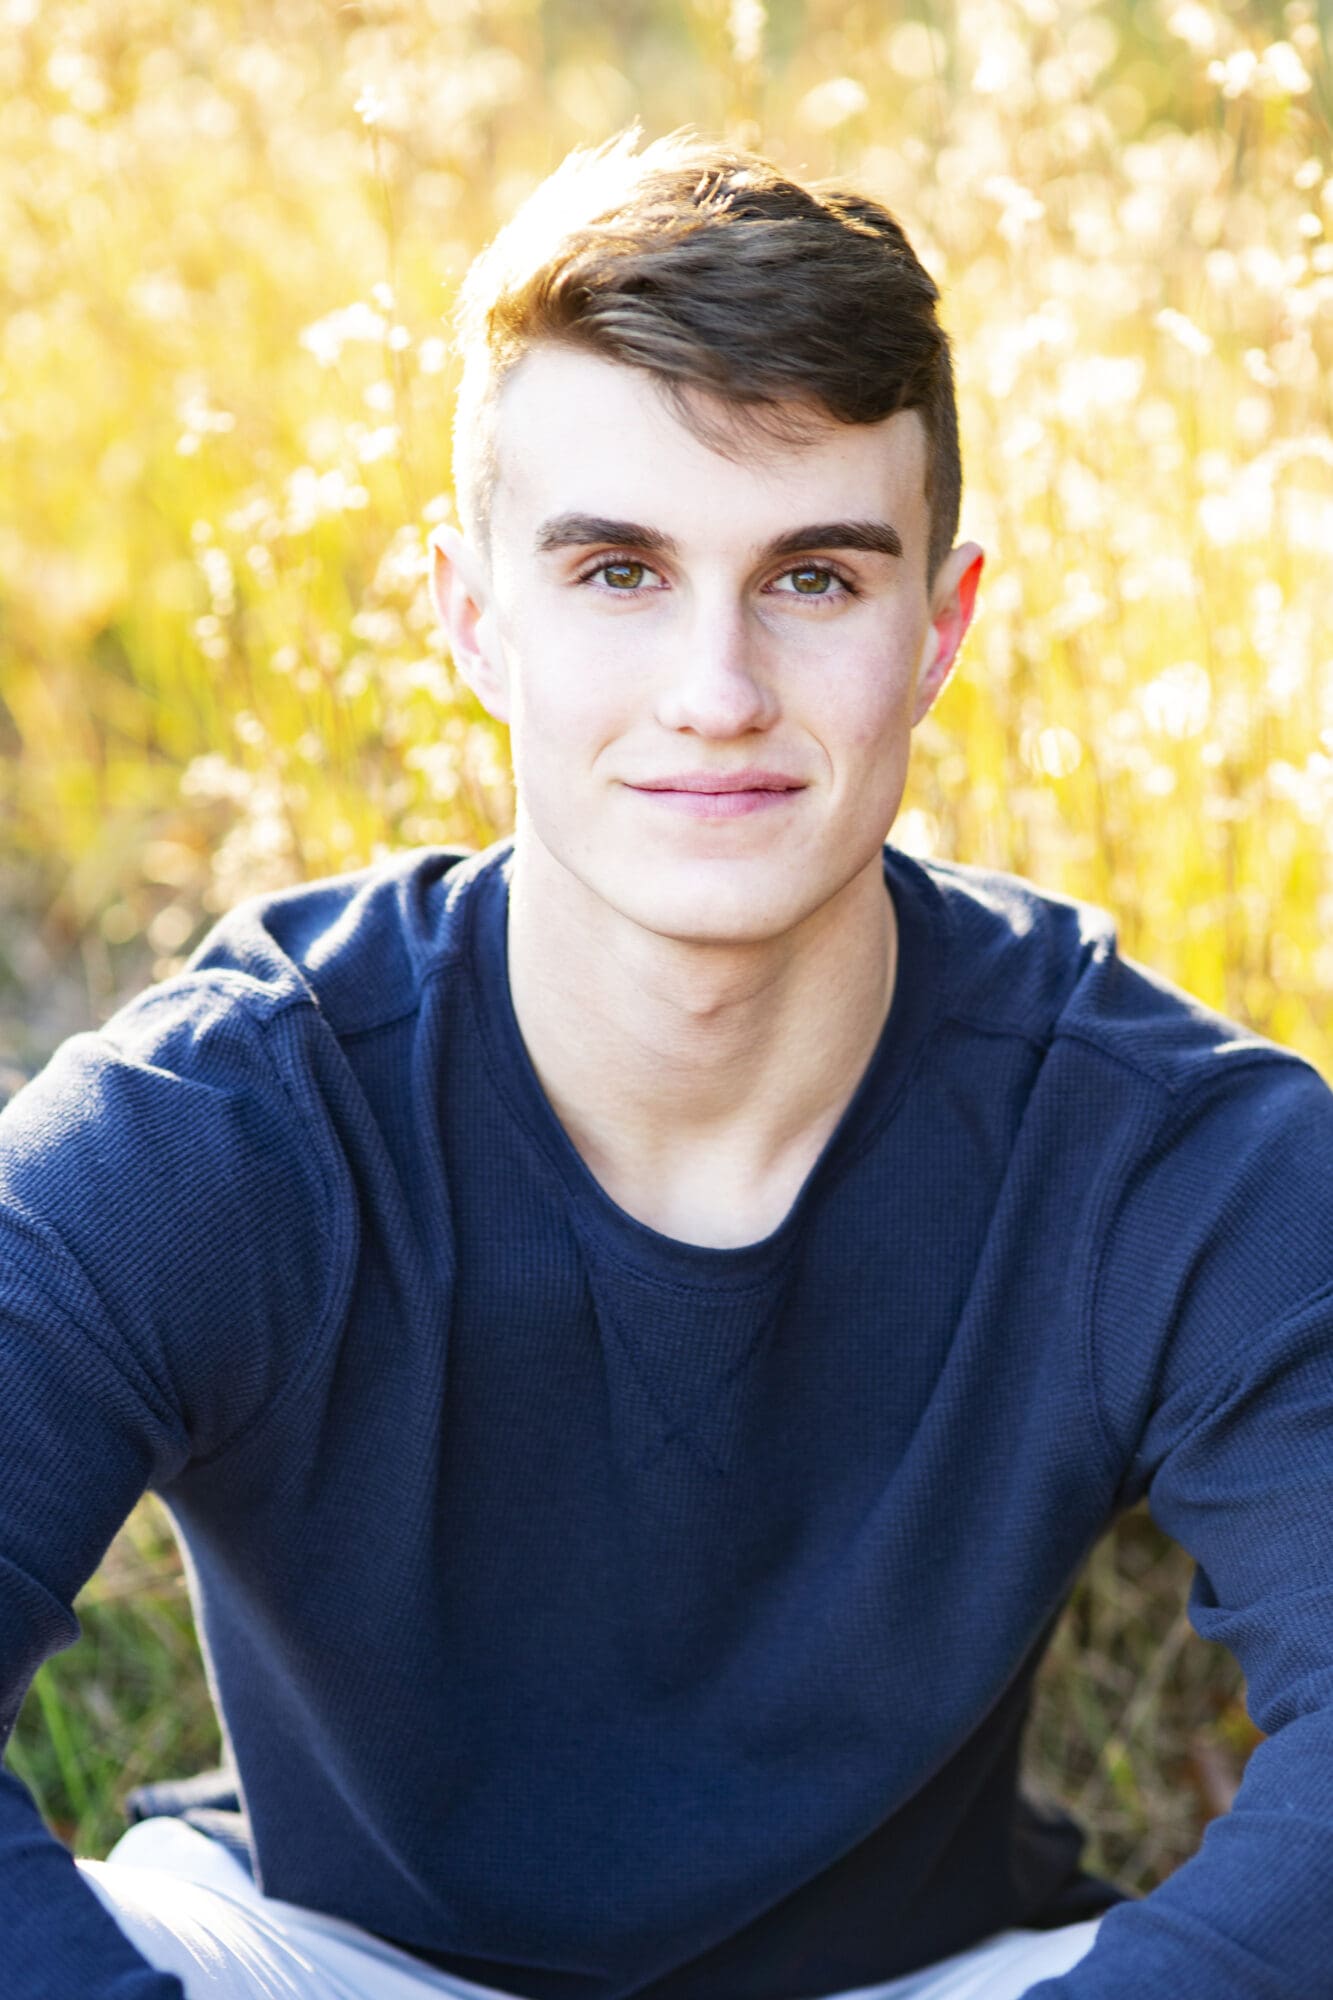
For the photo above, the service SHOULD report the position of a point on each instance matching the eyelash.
(618, 559)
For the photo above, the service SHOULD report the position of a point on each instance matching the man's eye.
(812, 580)
(623, 575)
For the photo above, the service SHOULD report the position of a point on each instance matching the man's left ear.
(953, 599)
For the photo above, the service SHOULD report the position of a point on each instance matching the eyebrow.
(565, 531)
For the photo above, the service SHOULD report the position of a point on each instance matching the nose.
(715, 685)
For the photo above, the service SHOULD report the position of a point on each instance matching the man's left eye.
(810, 580)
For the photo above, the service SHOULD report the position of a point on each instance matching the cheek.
(866, 699)
(567, 695)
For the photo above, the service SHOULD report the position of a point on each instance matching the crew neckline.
(612, 1230)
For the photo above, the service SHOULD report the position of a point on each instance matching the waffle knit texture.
(600, 1615)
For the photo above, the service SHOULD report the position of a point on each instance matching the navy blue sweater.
(602, 1615)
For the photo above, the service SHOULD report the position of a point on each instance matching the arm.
(151, 1193)
(1235, 1452)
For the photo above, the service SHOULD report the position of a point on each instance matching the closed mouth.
(721, 781)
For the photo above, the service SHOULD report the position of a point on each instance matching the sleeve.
(162, 1262)
(1227, 1240)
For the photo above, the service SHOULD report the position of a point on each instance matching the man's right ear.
(460, 590)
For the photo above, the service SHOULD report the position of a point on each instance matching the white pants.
(191, 1909)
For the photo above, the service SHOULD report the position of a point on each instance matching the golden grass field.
(231, 235)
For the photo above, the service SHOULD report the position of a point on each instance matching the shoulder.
(1211, 1148)
(188, 1182)
(1049, 967)
(208, 1105)
(359, 947)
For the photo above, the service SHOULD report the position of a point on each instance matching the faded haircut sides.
(729, 282)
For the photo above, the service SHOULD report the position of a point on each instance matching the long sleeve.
(159, 1264)
(65, 1414)
(1236, 1456)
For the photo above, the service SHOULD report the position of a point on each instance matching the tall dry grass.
(230, 234)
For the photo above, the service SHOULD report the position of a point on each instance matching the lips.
(721, 795)
(748, 780)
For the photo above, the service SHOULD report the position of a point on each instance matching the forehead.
(577, 433)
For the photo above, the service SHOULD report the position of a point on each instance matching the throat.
(700, 1087)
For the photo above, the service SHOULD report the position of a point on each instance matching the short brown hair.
(715, 272)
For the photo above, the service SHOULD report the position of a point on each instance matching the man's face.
(711, 665)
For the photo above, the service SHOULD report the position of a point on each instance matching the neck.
(684, 1071)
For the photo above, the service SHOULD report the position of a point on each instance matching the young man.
(639, 1328)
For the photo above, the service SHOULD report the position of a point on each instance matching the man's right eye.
(622, 574)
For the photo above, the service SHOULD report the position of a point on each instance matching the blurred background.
(230, 235)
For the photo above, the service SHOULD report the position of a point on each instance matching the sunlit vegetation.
(232, 232)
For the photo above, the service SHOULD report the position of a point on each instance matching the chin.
(684, 905)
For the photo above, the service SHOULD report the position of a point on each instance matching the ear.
(953, 599)
(460, 591)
